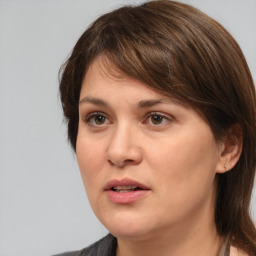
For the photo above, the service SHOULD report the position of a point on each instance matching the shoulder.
(104, 247)
(73, 253)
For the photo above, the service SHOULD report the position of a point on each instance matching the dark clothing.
(107, 247)
(104, 247)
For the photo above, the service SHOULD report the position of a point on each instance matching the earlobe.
(231, 149)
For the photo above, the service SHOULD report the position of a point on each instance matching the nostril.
(116, 163)
(120, 164)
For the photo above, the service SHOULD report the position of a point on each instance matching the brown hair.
(177, 50)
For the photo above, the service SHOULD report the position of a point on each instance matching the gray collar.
(225, 248)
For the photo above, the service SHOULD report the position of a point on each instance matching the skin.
(164, 145)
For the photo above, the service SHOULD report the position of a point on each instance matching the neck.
(172, 245)
(195, 237)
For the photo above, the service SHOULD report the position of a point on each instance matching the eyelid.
(167, 117)
(91, 114)
(88, 117)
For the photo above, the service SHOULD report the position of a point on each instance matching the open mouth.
(125, 189)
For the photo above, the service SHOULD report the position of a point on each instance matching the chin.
(129, 233)
(128, 226)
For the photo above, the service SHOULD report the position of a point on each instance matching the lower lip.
(126, 197)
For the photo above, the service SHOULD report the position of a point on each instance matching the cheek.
(187, 179)
(90, 158)
(186, 165)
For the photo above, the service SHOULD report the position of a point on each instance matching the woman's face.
(148, 163)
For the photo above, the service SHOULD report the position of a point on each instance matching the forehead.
(103, 76)
(102, 66)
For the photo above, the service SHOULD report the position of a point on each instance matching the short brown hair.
(179, 51)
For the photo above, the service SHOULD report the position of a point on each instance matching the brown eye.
(99, 119)
(156, 119)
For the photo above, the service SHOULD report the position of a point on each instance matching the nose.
(124, 148)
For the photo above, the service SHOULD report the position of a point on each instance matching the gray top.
(225, 248)
(104, 247)
(107, 247)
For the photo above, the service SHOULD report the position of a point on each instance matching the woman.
(161, 112)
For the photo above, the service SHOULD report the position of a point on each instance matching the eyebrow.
(141, 104)
(151, 103)
(94, 101)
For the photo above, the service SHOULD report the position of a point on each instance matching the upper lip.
(124, 182)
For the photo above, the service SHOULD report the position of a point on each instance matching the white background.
(43, 206)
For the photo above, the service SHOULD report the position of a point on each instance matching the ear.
(230, 149)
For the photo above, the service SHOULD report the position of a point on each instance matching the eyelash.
(89, 118)
(156, 114)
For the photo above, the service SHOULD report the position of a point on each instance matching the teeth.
(123, 189)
